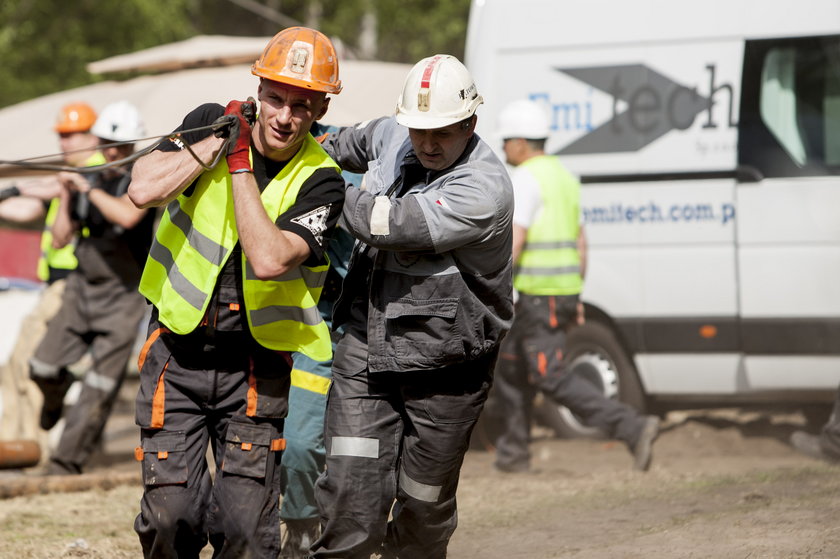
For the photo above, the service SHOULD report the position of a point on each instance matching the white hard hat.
(523, 119)
(119, 122)
(438, 91)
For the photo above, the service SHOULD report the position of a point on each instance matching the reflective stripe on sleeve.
(379, 216)
(360, 447)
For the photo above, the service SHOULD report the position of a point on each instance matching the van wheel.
(593, 351)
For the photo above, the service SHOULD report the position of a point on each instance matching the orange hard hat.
(301, 57)
(75, 117)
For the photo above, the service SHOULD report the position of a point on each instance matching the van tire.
(593, 350)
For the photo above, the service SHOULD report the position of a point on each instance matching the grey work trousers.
(531, 360)
(395, 444)
(102, 318)
(228, 393)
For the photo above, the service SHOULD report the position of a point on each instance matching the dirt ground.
(724, 484)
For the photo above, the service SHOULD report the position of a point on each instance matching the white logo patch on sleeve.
(315, 221)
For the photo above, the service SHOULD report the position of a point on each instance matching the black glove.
(9, 192)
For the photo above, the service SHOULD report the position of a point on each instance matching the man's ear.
(470, 125)
(324, 106)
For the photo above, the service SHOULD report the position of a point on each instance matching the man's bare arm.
(159, 177)
(270, 251)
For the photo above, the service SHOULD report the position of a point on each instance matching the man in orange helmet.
(26, 202)
(234, 274)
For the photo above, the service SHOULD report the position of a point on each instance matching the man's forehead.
(73, 134)
(290, 90)
(443, 129)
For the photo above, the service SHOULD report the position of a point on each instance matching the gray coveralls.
(531, 360)
(424, 307)
(100, 312)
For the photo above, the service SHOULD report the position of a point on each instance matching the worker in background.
(101, 309)
(234, 273)
(28, 201)
(826, 445)
(425, 304)
(304, 457)
(549, 251)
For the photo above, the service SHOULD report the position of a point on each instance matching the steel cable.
(221, 123)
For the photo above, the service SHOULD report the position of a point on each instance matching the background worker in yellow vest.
(549, 252)
(101, 309)
(234, 274)
(28, 201)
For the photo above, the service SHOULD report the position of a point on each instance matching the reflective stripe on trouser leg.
(365, 431)
(442, 407)
(116, 321)
(358, 487)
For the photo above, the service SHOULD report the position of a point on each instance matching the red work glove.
(241, 115)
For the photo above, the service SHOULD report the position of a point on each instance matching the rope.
(175, 136)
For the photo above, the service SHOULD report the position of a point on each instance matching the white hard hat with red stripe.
(438, 91)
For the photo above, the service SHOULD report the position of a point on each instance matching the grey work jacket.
(434, 257)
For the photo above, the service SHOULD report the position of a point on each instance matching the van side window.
(790, 109)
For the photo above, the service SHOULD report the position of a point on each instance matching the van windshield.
(797, 82)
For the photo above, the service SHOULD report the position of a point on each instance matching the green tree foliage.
(46, 44)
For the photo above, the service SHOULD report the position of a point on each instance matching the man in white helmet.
(101, 308)
(425, 305)
(549, 252)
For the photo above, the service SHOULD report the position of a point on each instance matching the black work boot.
(54, 390)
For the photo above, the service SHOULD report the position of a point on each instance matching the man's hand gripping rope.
(235, 125)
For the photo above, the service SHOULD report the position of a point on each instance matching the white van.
(707, 139)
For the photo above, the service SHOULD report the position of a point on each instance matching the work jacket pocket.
(424, 331)
(247, 449)
(164, 458)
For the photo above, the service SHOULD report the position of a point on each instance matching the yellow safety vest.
(194, 240)
(550, 263)
(59, 258)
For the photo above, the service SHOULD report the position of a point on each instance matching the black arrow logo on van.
(655, 106)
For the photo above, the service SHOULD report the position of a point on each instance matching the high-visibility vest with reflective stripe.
(194, 240)
(59, 258)
(550, 263)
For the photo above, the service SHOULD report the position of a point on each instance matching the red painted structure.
(19, 251)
